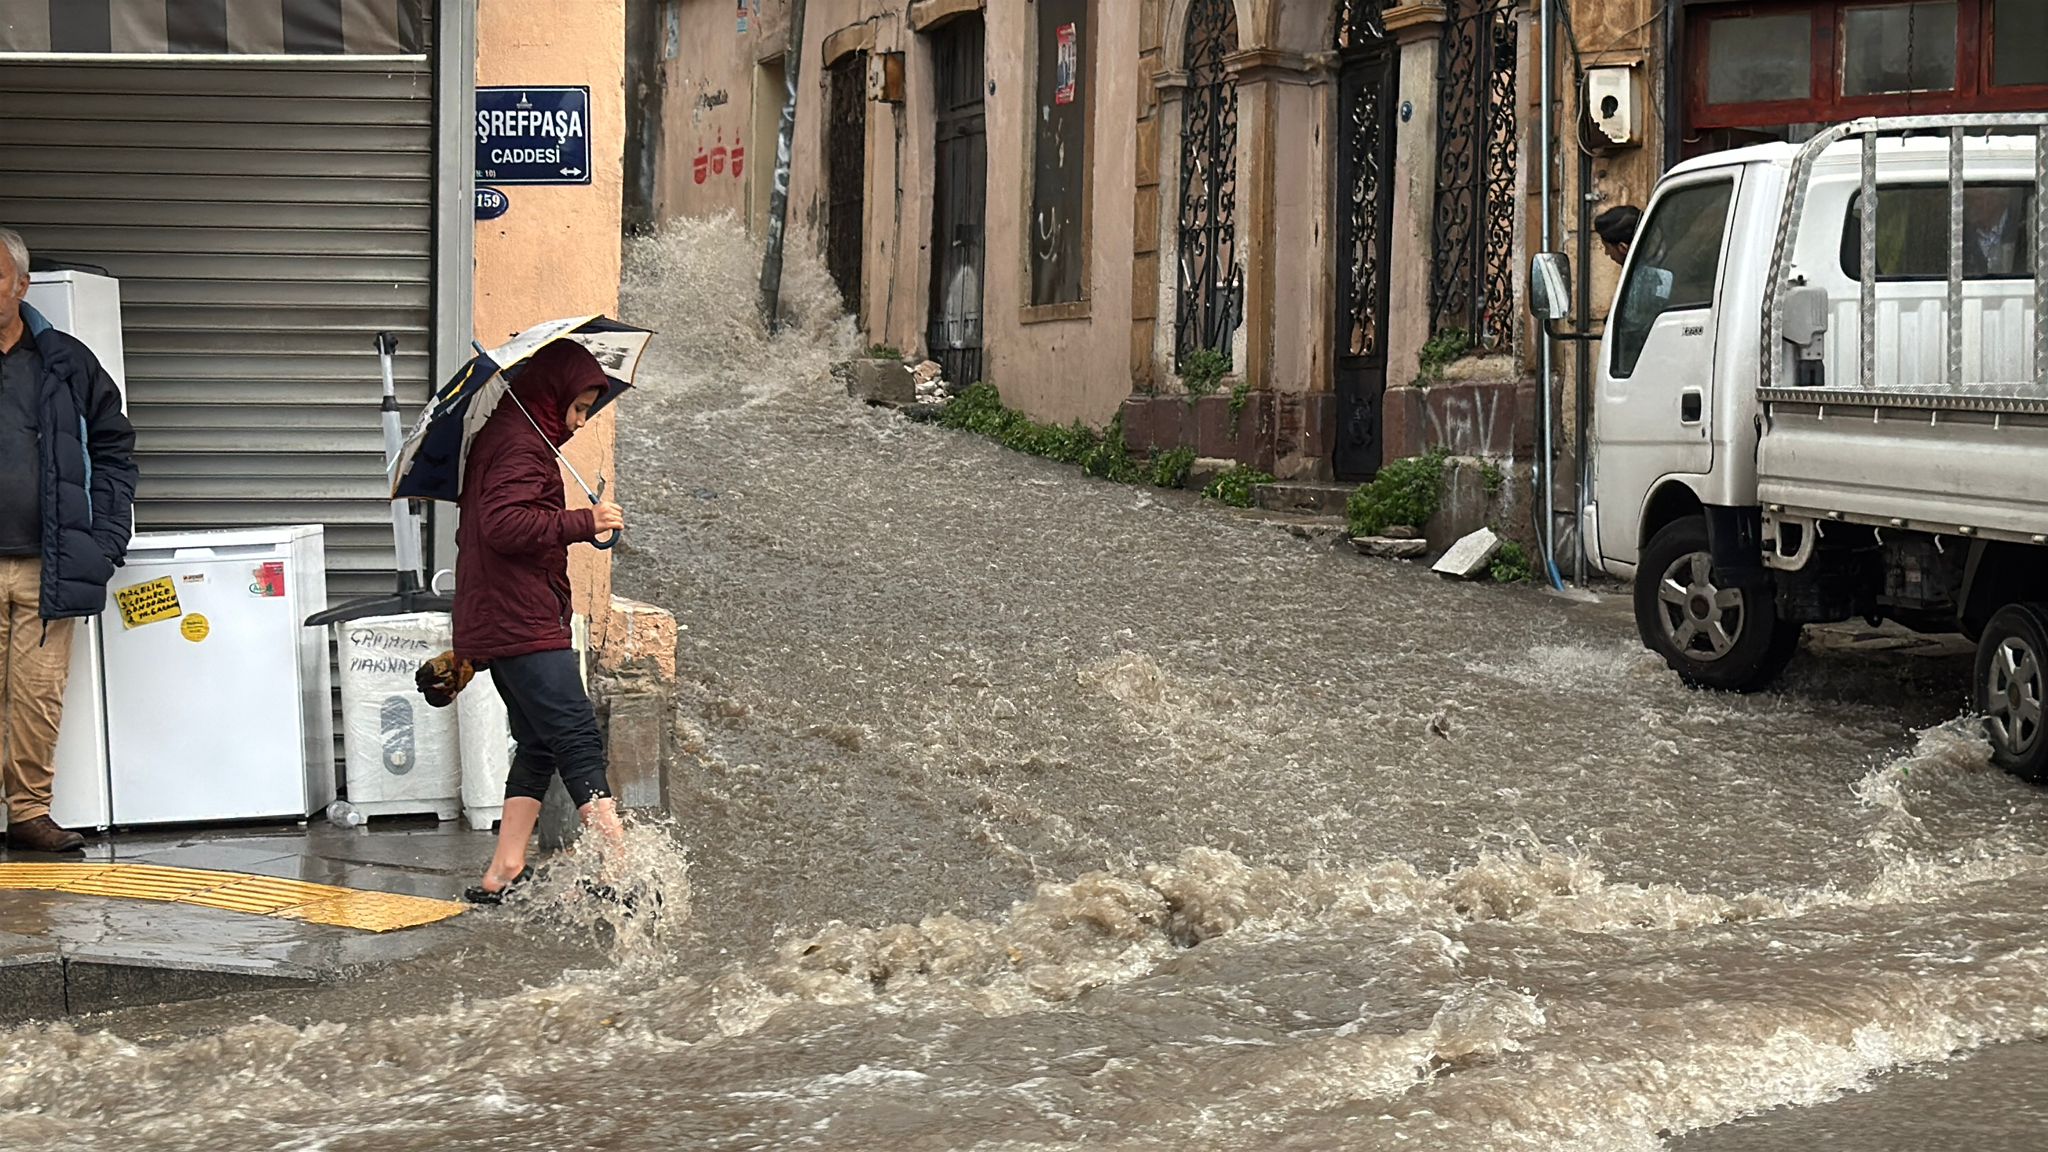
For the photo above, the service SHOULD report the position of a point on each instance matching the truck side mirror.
(1550, 294)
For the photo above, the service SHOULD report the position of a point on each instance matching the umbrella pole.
(404, 525)
(595, 496)
(411, 595)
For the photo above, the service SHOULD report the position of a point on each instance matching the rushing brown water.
(1026, 811)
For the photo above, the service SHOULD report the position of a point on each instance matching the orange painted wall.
(557, 251)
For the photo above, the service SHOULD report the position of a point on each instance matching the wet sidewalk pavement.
(65, 953)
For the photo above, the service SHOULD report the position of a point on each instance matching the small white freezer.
(218, 696)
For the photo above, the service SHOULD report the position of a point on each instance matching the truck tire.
(2010, 672)
(1722, 638)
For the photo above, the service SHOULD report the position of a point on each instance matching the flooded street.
(1024, 810)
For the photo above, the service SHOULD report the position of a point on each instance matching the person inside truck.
(1616, 228)
(1991, 231)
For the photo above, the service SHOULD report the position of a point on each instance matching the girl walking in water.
(512, 605)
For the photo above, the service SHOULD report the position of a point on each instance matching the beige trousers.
(34, 664)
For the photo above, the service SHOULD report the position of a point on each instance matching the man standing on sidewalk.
(67, 485)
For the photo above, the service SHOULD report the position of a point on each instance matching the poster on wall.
(1069, 64)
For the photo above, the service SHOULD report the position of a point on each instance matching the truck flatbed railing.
(1957, 129)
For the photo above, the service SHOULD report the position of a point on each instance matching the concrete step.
(1304, 497)
(1324, 530)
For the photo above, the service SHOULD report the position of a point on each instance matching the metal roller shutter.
(265, 220)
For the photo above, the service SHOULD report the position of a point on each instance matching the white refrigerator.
(88, 307)
(219, 702)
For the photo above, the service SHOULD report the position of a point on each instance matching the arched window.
(1211, 281)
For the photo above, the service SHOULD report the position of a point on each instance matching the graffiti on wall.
(1471, 420)
(718, 160)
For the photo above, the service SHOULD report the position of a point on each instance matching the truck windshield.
(1912, 233)
(1672, 267)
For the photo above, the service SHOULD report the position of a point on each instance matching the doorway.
(771, 92)
(846, 162)
(959, 200)
(1364, 211)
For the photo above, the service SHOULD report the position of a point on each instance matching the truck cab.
(1822, 394)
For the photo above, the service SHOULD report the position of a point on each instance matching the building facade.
(1330, 202)
(273, 183)
(1069, 198)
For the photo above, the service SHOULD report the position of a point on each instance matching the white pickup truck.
(1823, 395)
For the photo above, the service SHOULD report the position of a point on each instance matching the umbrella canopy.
(431, 462)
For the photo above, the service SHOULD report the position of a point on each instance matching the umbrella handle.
(597, 498)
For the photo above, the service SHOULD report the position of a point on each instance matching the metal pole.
(1547, 466)
(1866, 288)
(1955, 258)
(1582, 353)
(405, 532)
(2040, 257)
(778, 196)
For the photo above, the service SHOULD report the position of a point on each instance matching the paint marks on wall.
(717, 160)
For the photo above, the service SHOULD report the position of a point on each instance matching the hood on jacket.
(551, 379)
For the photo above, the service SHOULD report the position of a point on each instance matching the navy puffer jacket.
(88, 472)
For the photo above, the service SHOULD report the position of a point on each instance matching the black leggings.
(554, 724)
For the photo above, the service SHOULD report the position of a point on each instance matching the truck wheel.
(2010, 661)
(1724, 638)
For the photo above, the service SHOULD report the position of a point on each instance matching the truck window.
(1672, 266)
(1912, 233)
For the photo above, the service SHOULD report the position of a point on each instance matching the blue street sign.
(533, 135)
(491, 203)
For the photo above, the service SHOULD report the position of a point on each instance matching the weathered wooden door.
(846, 175)
(959, 199)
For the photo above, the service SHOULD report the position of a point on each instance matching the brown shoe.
(42, 835)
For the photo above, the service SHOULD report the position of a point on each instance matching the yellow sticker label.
(195, 628)
(148, 603)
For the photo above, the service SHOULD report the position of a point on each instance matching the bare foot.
(601, 816)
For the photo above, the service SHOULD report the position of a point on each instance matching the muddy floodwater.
(1019, 810)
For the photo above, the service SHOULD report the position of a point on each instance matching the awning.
(211, 27)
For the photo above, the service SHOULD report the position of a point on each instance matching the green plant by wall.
(1490, 473)
(1235, 486)
(1510, 565)
(1101, 454)
(1170, 469)
(884, 352)
(1202, 371)
(1406, 492)
(1239, 397)
(1445, 347)
(1109, 458)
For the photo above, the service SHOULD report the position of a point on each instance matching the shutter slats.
(264, 222)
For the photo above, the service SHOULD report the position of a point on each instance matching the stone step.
(1324, 530)
(1306, 497)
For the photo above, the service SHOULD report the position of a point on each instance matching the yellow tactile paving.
(372, 911)
(232, 892)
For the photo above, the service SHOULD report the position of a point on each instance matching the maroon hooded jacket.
(512, 574)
